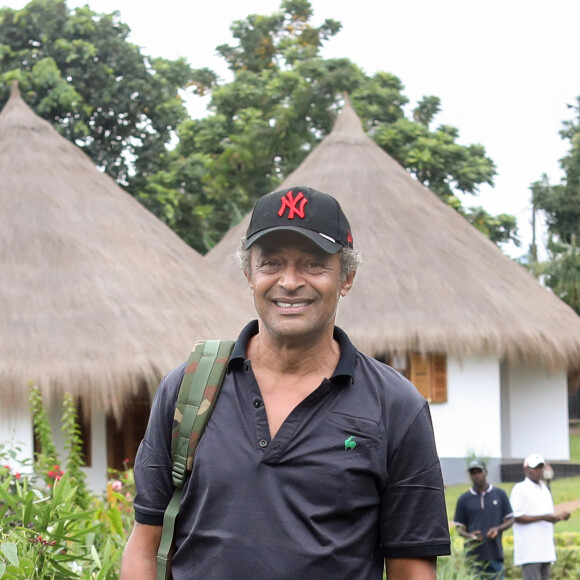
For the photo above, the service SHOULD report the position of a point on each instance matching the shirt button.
(257, 403)
(246, 367)
(263, 443)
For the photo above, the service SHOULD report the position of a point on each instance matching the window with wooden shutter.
(438, 378)
(123, 439)
(428, 372)
(420, 374)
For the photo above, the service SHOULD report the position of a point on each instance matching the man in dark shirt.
(481, 515)
(318, 461)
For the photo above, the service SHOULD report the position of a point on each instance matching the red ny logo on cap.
(289, 202)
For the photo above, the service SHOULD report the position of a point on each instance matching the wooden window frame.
(427, 372)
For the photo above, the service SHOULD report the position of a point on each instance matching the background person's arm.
(411, 568)
(472, 535)
(493, 532)
(140, 554)
(552, 518)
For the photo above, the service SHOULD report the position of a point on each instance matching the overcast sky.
(505, 70)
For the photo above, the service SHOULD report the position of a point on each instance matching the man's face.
(535, 473)
(478, 477)
(296, 286)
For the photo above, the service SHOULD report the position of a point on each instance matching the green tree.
(77, 69)
(560, 204)
(562, 272)
(281, 103)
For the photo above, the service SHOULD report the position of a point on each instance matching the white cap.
(533, 460)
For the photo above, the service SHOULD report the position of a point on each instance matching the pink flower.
(117, 485)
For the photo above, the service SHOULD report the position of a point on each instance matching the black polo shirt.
(481, 511)
(351, 477)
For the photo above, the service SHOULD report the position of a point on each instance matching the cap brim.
(322, 242)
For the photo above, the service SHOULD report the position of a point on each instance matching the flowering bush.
(119, 499)
(55, 474)
(53, 527)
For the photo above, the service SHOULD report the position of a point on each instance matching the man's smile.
(290, 304)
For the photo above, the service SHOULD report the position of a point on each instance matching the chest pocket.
(360, 434)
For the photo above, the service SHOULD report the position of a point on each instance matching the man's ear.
(347, 284)
(249, 280)
(247, 269)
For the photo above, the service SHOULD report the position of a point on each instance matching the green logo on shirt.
(350, 443)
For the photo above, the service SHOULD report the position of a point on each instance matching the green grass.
(575, 446)
(563, 489)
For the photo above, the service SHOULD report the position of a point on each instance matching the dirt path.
(568, 506)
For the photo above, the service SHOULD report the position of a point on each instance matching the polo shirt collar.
(485, 492)
(346, 363)
(534, 484)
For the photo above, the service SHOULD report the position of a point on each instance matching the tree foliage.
(562, 272)
(560, 204)
(281, 102)
(78, 70)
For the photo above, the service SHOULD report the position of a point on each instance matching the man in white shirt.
(534, 518)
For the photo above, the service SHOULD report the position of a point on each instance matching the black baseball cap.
(304, 210)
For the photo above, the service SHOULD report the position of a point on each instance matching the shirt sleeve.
(507, 508)
(413, 514)
(153, 461)
(518, 501)
(460, 515)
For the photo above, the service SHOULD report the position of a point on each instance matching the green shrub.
(52, 527)
(48, 529)
(567, 565)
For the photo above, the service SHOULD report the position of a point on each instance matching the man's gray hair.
(350, 259)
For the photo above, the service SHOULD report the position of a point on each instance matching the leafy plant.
(53, 527)
(47, 454)
(74, 446)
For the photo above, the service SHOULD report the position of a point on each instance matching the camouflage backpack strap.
(197, 396)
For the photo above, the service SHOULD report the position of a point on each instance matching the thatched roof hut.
(430, 281)
(97, 296)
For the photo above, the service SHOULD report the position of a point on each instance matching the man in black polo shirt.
(481, 515)
(318, 462)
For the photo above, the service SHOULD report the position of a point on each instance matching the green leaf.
(95, 556)
(11, 552)
(116, 521)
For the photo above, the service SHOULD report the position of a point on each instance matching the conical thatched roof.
(429, 281)
(97, 296)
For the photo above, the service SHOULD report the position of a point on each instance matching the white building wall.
(16, 435)
(537, 413)
(97, 473)
(469, 423)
